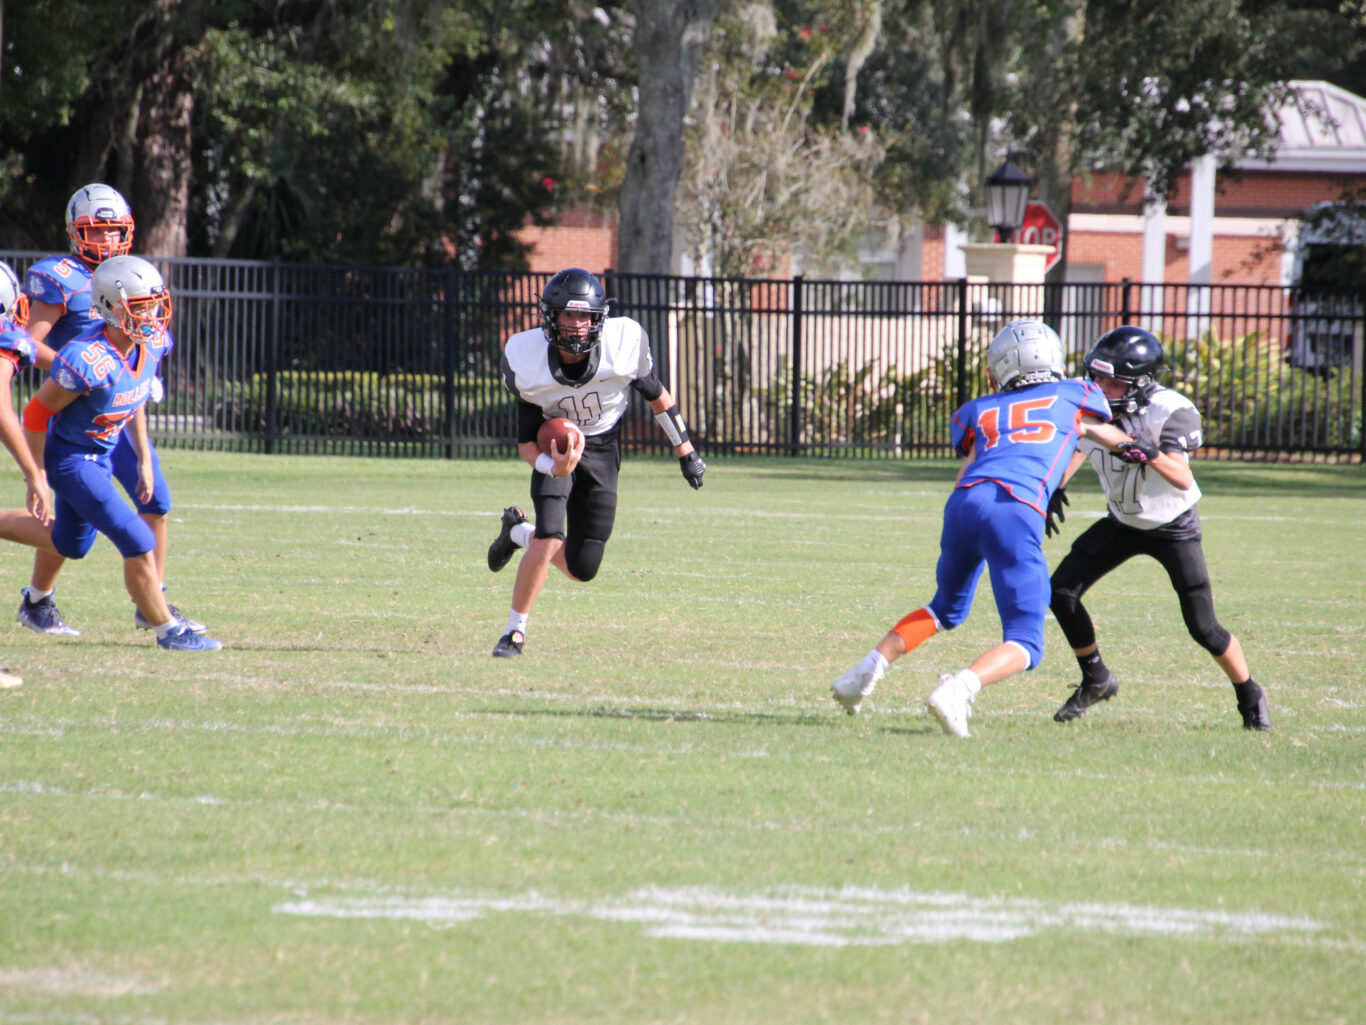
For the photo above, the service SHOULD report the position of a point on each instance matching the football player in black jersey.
(1151, 496)
(579, 364)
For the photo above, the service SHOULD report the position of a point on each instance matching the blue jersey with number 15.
(1022, 440)
(109, 390)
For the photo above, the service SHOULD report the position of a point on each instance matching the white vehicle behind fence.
(1328, 289)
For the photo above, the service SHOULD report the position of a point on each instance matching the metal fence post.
(960, 365)
(795, 420)
(448, 358)
(1126, 307)
(273, 362)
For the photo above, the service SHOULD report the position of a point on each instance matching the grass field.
(354, 814)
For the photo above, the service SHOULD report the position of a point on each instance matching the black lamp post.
(1007, 196)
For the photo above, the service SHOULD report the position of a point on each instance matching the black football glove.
(1138, 451)
(693, 468)
(1055, 505)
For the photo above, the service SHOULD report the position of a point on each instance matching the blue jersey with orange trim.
(65, 281)
(1023, 439)
(109, 390)
(16, 345)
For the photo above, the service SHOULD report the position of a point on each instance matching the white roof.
(1323, 128)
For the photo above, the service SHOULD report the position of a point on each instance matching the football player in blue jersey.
(1017, 443)
(99, 225)
(583, 365)
(16, 354)
(98, 389)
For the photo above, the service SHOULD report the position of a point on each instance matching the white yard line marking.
(810, 916)
(77, 981)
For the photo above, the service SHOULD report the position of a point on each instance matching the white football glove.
(158, 390)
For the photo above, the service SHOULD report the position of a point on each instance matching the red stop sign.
(1041, 228)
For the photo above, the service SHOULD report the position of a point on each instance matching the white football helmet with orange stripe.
(91, 213)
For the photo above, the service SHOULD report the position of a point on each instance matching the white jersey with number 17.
(1138, 496)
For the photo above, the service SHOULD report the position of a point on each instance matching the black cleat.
(1252, 705)
(502, 548)
(1085, 696)
(509, 645)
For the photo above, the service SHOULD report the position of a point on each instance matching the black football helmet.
(573, 289)
(1128, 354)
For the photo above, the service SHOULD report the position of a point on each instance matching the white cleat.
(951, 704)
(855, 685)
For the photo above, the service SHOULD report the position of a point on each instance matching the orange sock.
(917, 628)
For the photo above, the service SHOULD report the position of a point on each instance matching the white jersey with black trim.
(1138, 496)
(598, 399)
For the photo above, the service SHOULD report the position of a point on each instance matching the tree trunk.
(669, 40)
(162, 167)
(1057, 159)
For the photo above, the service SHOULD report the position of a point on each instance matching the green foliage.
(353, 814)
(358, 405)
(868, 406)
(1249, 397)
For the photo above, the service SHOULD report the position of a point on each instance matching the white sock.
(166, 628)
(37, 594)
(522, 534)
(875, 661)
(516, 621)
(971, 680)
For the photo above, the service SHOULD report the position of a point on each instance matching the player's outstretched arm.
(671, 423)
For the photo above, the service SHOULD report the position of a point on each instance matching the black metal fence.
(290, 358)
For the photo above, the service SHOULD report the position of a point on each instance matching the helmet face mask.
(1128, 354)
(132, 296)
(1025, 352)
(573, 290)
(92, 213)
(13, 300)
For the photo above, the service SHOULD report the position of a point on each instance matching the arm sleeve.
(529, 420)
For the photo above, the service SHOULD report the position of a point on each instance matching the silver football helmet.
(132, 295)
(13, 301)
(1025, 352)
(90, 212)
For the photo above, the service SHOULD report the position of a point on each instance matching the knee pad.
(584, 558)
(1214, 639)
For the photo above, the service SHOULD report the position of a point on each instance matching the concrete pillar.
(954, 266)
(1150, 298)
(1201, 251)
(1006, 263)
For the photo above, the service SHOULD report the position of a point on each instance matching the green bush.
(1249, 398)
(361, 404)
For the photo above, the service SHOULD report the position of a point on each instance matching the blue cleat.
(194, 626)
(43, 617)
(184, 639)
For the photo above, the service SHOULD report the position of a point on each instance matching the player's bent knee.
(1215, 639)
(584, 562)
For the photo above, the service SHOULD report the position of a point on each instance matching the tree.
(761, 178)
(669, 39)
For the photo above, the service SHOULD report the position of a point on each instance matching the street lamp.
(1007, 196)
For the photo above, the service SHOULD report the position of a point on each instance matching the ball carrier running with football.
(572, 378)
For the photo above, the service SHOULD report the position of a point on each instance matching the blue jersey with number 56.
(1022, 440)
(109, 390)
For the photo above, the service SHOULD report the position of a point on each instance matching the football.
(559, 430)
